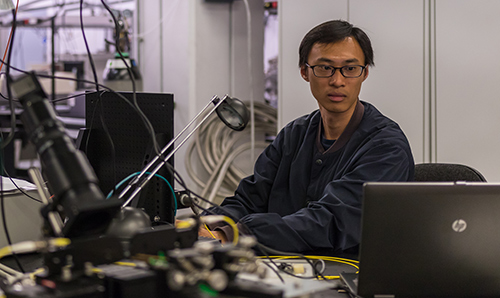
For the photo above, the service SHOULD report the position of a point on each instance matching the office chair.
(444, 172)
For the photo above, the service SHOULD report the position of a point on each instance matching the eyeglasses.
(326, 71)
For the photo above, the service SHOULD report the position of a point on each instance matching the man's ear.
(304, 73)
(365, 73)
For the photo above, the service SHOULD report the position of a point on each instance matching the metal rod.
(155, 159)
(53, 217)
(159, 166)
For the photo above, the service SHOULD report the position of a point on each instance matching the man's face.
(336, 94)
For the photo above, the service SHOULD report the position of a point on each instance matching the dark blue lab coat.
(302, 197)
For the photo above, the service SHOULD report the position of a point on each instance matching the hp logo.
(459, 225)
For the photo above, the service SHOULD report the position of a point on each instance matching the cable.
(277, 252)
(9, 92)
(27, 247)
(10, 36)
(350, 262)
(264, 249)
(250, 79)
(157, 175)
(271, 260)
(228, 220)
(129, 71)
(94, 72)
(32, 246)
(4, 143)
(4, 222)
(210, 232)
(19, 188)
(145, 121)
(216, 146)
(172, 10)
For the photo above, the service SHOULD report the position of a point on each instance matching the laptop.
(428, 239)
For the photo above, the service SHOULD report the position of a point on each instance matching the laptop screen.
(430, 239)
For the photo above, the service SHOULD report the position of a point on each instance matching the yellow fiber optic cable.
(228, 220)
(235, 228)
(350, 262)
(206, 227)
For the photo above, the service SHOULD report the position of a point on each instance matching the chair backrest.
(446, 172)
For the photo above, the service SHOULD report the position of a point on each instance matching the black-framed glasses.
(326, 71)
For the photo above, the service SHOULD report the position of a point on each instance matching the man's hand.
(203, 232)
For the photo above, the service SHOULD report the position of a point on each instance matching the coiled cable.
(217, 147)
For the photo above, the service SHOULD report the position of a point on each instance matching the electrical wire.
(10, 36)
(32, 246)
(250, 79)
(217, 147)
(131, 76)
(25, 7)
(19, 188)
(350, 262)
(264, 249)
(210, 232)
(272, 261)
(4, 222)
(99, 99)
(228, 220)
(24, 247)
(145, 121)
(5, 142)
(317, 274)
(135, 105)
(172, 10)
(175, 174)
(148, 173)
(108, 89)
(280, 254)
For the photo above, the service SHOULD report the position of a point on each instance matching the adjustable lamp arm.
(231, 111)
(162, 152)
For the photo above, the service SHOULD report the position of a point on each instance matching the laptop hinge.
(383, 296)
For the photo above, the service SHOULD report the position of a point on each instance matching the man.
(306, 190)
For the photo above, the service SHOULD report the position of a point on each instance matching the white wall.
(467, 96)
(434, 72)
(396, 84)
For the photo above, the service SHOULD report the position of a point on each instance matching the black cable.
(99, 99)
(51, 5)
(264, 249)
(148, 125)
(260, 246)
(4, 220)
(146, 122)
(91, 125)
(9, 92)
(274, 270)
(19, 188)
(4, 143)
(66, 98)
(129, 71)
(278, 252)
(272, 261)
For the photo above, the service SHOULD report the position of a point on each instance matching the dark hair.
(332, 32)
